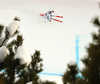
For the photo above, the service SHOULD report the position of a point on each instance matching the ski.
(57, 20)
(53, 16)
(57, 16)
(42, 15)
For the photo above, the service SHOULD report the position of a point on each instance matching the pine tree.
(30, 72)
(47, 82)
(91, 72)
(70, 74)
(80, 81)
(11, 69)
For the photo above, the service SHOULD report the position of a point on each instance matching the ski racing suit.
(48, 15)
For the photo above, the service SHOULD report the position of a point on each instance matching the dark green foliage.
(47, 82)
(70, 74)
(9, 65)
(1, 80)
(11, 71)
(91, 72)
(1, 29)
(96, 22)
(17, 18)
(5, 37)
(31, 71)
(80, 81)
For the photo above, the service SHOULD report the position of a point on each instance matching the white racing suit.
(48, 15)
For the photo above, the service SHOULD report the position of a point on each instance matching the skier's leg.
(48, 18)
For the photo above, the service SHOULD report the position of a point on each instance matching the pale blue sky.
(56, 41)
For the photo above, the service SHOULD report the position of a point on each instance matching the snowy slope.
(55, 41)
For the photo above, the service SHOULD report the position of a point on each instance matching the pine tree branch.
(6, 37)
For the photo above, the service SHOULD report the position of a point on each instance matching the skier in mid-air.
(48, 15)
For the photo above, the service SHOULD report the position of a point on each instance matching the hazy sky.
(56, 41)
